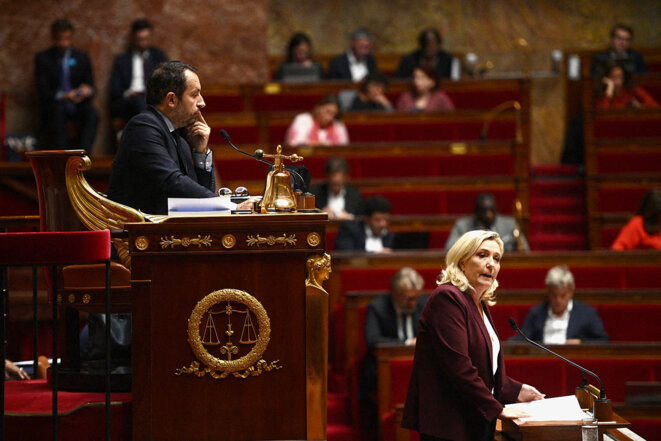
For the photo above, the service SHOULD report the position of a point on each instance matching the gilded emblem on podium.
(214, 338)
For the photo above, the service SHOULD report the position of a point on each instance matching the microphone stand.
(259, 156)
(602, 408)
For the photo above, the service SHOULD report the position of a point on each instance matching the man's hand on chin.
(198, 134)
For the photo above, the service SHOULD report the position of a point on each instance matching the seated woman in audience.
(322, 126)
(372, 94)
(618, 92)
(299, 65)
(643, 231)
(425, 94)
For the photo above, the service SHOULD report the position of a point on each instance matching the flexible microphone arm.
(493, 113)
(258, 153)
(259, 156)
(515, 327)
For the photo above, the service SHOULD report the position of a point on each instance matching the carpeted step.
(554, 171)
(343, 432)
(557, 188)
(338, 409)
(558, 223)
(559, 205)
(557, 242)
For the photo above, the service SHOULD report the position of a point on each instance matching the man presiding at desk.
(163, 151)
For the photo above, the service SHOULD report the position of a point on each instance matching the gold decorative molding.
(96, 211)
(228, 241)
(248, 365)
(271, 240)
(87, 298)
(71, 298)
(319, 269)
(59, 298)
(141, 243)
(313, 239)
(186, 241)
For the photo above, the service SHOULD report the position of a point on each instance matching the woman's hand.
(510, 413)
(529, 393)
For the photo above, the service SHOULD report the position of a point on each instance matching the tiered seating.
(623, 162)
(549, 374)
(285, 97)
(621, 287)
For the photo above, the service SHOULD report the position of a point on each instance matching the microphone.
(259, 156)
(515, 328)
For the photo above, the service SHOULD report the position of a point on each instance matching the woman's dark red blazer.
(449, 394)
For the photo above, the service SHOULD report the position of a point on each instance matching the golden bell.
(279, 193)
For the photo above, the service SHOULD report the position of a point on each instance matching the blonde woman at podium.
(458, 386)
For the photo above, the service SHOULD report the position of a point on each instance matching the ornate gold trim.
(228, 241)
(313, 239)
(71, 298)
(271, 240)
(250, 364)
(96, 211)
(87, 298)
(59, 298)
(141, 243)
(316, 352)
(186, 241)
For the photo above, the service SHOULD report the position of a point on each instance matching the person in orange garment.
(643, 231)
(618, 92)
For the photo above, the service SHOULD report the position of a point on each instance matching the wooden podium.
(558, 430)
(230, 323)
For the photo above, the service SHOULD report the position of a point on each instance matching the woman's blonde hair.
(463, 249)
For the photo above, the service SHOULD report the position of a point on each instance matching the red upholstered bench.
(621, 199)
(223, 103)
(429, 202)
(614, 372)
(375, 279)
(628, 322)
(628, 162)
(546, 374)
(630, 128)
(241, 134)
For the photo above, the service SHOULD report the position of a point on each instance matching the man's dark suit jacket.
(381, 327)
(450, 389)
(584, 323)
(338, 68)
(48, 72)
(122, 70)
(353, 199)
(634, 62)
(151, 167)
(408, 63)
(351, 236)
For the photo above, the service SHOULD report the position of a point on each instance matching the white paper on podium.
(218, 206)
(552, 409)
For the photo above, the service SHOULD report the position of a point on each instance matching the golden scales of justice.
(248, 333)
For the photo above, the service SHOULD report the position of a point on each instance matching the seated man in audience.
(620, 50)
(357, 61)
(371, 234)
(65, 88)
(486, 217)
(128, 80)
(391, 318)
(429, 54)
(341, 200)
(562, 319)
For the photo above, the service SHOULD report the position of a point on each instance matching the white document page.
(552, 409)
(200, 206)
